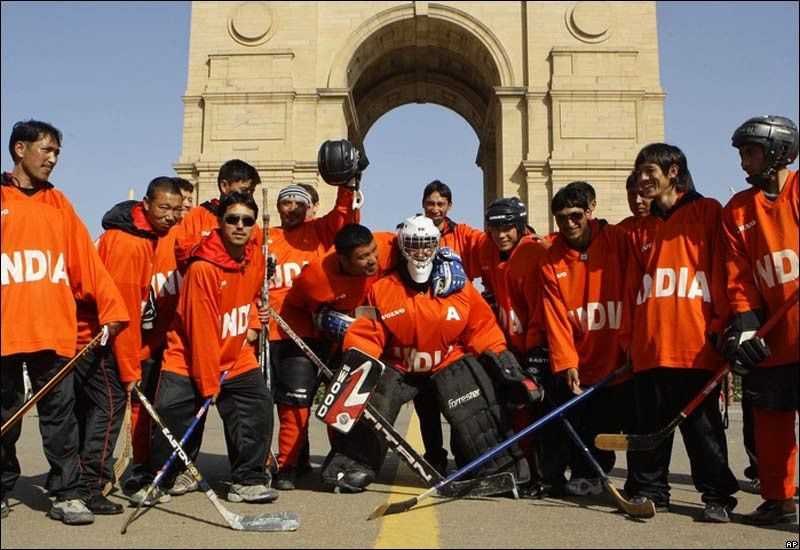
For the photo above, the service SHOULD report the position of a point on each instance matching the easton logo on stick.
(350, 390)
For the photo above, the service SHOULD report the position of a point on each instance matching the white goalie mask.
(418, 240)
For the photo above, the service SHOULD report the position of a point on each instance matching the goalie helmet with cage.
(777, 134)
(507, 211)
(418, 240)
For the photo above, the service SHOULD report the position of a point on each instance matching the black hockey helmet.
(507, 211)
(339, 161)
(778, 136)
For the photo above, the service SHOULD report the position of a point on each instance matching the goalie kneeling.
(427, 340)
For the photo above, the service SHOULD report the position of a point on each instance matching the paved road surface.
(339, 521)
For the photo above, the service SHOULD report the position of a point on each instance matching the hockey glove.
(272, 265)
(537, 364)
(332, 321)
(448, 273)
(742, 349)
(515, 389)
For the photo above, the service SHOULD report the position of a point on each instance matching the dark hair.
(311, 191)
(185, 185)
(665, 155)
(163, 184)
(30, 131)
(237, 197)
(569, 198)
(437, 186)
(631, 181)
(237, 170)
(350, 237)
(584, 188)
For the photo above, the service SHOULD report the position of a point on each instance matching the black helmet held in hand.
(339, 162)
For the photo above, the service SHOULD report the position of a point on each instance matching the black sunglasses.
(233, 219)
(574, 216)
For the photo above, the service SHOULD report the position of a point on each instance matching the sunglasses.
(575, 217)
(233, 219)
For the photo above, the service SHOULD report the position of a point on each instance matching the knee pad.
(477, 422)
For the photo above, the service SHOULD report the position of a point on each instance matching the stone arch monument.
(555, 91)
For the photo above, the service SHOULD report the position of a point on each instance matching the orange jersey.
(676, 281)
(166, 283)
(630, 223)
(48, 262)
(464, 240)
(209, 332)
(198, 224)
(583, 297)
(295, 249)
(128, 257)
(420, 334)
(763, 261)
(517, 290)
(322, 281)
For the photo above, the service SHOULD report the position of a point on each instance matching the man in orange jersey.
(761, 231)
(582, 276)
(437, 200)
(187, 192)
(294, 244)
(128, 250)
(638, 205)
(233, 175)
(209, 337)
(48, 261)
(676, 283)
(509, 265)
(428, 342)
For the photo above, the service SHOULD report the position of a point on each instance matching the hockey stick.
(491, 485)
(59, 376)
(263, 337)
(124, 459)
(645, 509)
(398, 507)
(280, 521)
(646, 442)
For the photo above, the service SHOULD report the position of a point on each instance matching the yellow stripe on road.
(418, 527)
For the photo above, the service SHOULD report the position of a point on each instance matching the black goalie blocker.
(350, 390)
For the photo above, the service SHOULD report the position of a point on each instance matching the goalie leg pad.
(477, 422)
(356, 457)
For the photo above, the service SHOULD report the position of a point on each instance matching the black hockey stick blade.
(393, 508)
(494, 484)
(275, 522)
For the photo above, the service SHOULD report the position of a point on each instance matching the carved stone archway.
(555, 91)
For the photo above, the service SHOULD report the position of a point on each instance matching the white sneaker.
(157, 495)
(184, 483)
(251, 493)
(71, 512)
(582, 486)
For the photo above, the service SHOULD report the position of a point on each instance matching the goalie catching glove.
(742, 349)
(516, 389)
(448, 273)
(333, 321)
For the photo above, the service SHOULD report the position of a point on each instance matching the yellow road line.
(417, 528)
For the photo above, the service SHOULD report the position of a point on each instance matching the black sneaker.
(285, 479)
(771, 512)
(661, 508)
(138, 479)
(101, 506)
(716, 513)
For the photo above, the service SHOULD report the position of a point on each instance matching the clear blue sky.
(111, 75)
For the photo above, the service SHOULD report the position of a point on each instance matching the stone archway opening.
(427, 60)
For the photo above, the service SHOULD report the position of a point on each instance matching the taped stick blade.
(276, 522)
(494, 484)
(388, 509)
